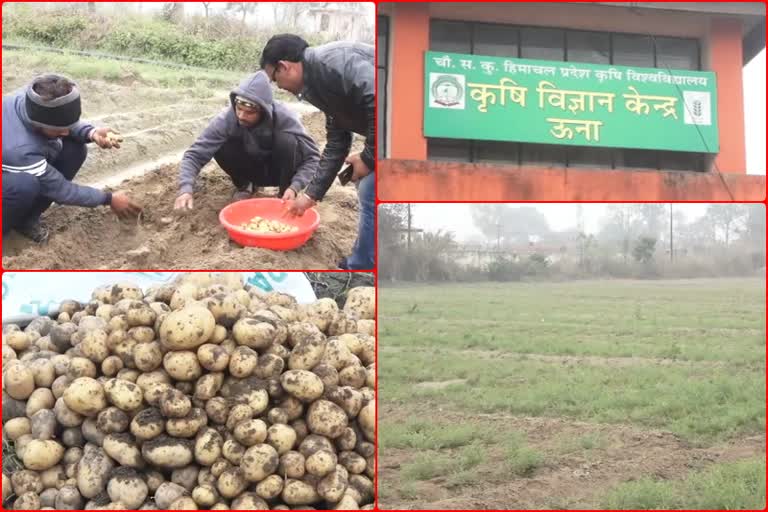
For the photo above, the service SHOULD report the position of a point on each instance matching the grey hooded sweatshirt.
(278, 140)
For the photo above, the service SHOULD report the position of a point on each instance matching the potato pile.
(262, 225)
(201, 394)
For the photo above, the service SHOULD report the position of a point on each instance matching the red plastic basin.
(235, 214)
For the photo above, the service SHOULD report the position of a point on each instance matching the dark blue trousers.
(23, 201)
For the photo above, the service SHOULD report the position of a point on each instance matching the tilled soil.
(572, 361)
(85, 238)
(158, 123)
(148, 134)
(151, 134)
(569, 479)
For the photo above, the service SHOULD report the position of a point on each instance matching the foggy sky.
(457, 218)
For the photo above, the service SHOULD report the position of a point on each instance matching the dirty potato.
(303, 384)
(259, 462)
(85, 396)
(187, 328)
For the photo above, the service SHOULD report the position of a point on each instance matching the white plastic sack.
(30, 294)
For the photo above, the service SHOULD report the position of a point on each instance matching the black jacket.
(339, 79)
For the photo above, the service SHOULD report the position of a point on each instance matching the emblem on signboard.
(446, 91)
(698, 108)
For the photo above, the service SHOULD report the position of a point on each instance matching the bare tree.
(392, 221)
(504, 223)
(651, 217)
(621, 225)
(728, 218)
(243, 8)
(288, 13)
(173, 12)
(207, 7)
(755, 225)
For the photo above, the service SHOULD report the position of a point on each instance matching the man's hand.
(289, 194)
(106, 138)
(183, 202)
(359, 169)
(123, 206)
(297, 207)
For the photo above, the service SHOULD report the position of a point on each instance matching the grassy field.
(199, 81)
(113, 70)
(612, 394)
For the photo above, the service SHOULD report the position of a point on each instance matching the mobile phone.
(345, 175)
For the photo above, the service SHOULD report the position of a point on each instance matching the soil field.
(160, 239)
(610, 394)
(159, 117)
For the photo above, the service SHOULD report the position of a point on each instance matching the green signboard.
(569, 103)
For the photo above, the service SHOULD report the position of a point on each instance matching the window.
(493, 152)
(496, 40)
(543, 155)
(382, 60)
(450, 36)
(631, 50)
(637, 159)
(674, 53)
(542, 44)
(589, 47)
(584, 156)
(680, 161)
(452, 150)
(563, 45)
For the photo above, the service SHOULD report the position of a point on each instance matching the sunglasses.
(247, 105)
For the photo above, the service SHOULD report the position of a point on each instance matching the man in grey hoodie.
(337, 78)
(256, 141)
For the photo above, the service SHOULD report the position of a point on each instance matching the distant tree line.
(646, 241)
(218, 37)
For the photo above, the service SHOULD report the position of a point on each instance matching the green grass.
(520, 459)
(430, 464)
(426, 435)
(709, 388)
(408, 490)
(202, 83)
(738, 485)
(82, 67)
(723, 319)
(698, 404)
(592, 441)
(707, 320)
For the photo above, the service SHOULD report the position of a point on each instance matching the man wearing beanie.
(337, 78)
(44, 145)
(257, 141)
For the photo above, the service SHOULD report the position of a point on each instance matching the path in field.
(578, 479)
(613, 362)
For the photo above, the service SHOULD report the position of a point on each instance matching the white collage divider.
(30, 294)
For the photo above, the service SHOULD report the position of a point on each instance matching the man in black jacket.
(337, 78)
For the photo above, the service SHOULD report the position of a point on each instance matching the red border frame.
(378, 203)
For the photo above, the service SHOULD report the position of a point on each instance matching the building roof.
(751, 13)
